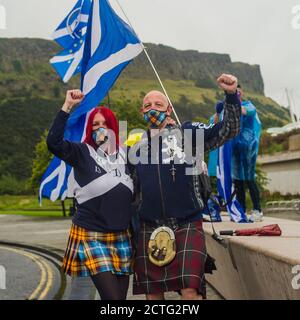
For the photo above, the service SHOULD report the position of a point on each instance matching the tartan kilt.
(89, 252)
(185, 271)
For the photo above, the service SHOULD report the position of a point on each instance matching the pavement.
(256, 267)
(23, 273)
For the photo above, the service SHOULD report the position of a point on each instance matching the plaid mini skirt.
(185, 271)
(89, 252)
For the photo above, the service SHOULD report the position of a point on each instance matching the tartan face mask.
(155, 117)
(100, 136)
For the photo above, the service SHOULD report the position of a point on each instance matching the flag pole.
(151, 63)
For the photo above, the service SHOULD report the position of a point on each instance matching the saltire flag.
(108, 45)
(220, 165)
(225, 186)
(57, 182)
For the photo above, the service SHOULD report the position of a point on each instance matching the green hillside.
(31, 92)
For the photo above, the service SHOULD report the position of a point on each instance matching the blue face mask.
(155, 117)
(100, 136)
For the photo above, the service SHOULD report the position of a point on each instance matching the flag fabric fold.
(74, 25)
(109, 46)
(220, 166)
(71, 35)
(99, 44)
(57, 181)
(225, 186)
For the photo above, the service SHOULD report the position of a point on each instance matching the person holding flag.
(108, 44)
(99, 243)
(244, 154)
(234, 163)
(98, 44)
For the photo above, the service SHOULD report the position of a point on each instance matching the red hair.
(111, 122)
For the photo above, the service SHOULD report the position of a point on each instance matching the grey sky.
(257, 31)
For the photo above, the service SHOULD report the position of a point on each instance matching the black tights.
(111, 286)
(253, 190)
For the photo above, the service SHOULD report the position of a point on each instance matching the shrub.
(11, 185)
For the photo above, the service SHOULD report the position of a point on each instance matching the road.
(32, 274)
(28, 275)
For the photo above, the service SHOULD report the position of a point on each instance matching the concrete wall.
(294, 142)
(256, 267)
(283, 172)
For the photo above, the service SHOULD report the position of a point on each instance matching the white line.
(58, 59)
(96, 28)
(77, 59)
(92, 77)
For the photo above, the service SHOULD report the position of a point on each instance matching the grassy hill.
(194, 102)
(31, 92)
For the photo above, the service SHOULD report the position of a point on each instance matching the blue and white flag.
(109, 46)
(71, 35)
(74, 25)
(57, 181)
(225, 186)
(100, 52)
(220, 165)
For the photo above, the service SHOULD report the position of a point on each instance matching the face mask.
(154, 117)
(100, 136)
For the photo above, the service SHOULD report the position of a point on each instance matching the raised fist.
(228, 83)
(73, 97)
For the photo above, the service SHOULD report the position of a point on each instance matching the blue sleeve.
(70, 152)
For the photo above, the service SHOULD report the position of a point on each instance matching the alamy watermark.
(2, 17)
(167, 146)
(2, 278)
(296, 17)
(296, 279)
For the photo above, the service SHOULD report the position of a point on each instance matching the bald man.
(171, 198)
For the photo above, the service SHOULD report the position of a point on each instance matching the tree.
(206, 82)
(40, 162)
(11, 185)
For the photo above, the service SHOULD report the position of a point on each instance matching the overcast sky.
(264, 32)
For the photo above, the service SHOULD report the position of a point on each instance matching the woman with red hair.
(99, 243)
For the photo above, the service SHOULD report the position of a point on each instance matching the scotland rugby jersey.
(103, 188)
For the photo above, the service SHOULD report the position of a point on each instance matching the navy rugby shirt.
(103, 190)
(180, 198)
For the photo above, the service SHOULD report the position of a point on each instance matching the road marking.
(49, 283)
(46, 274)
